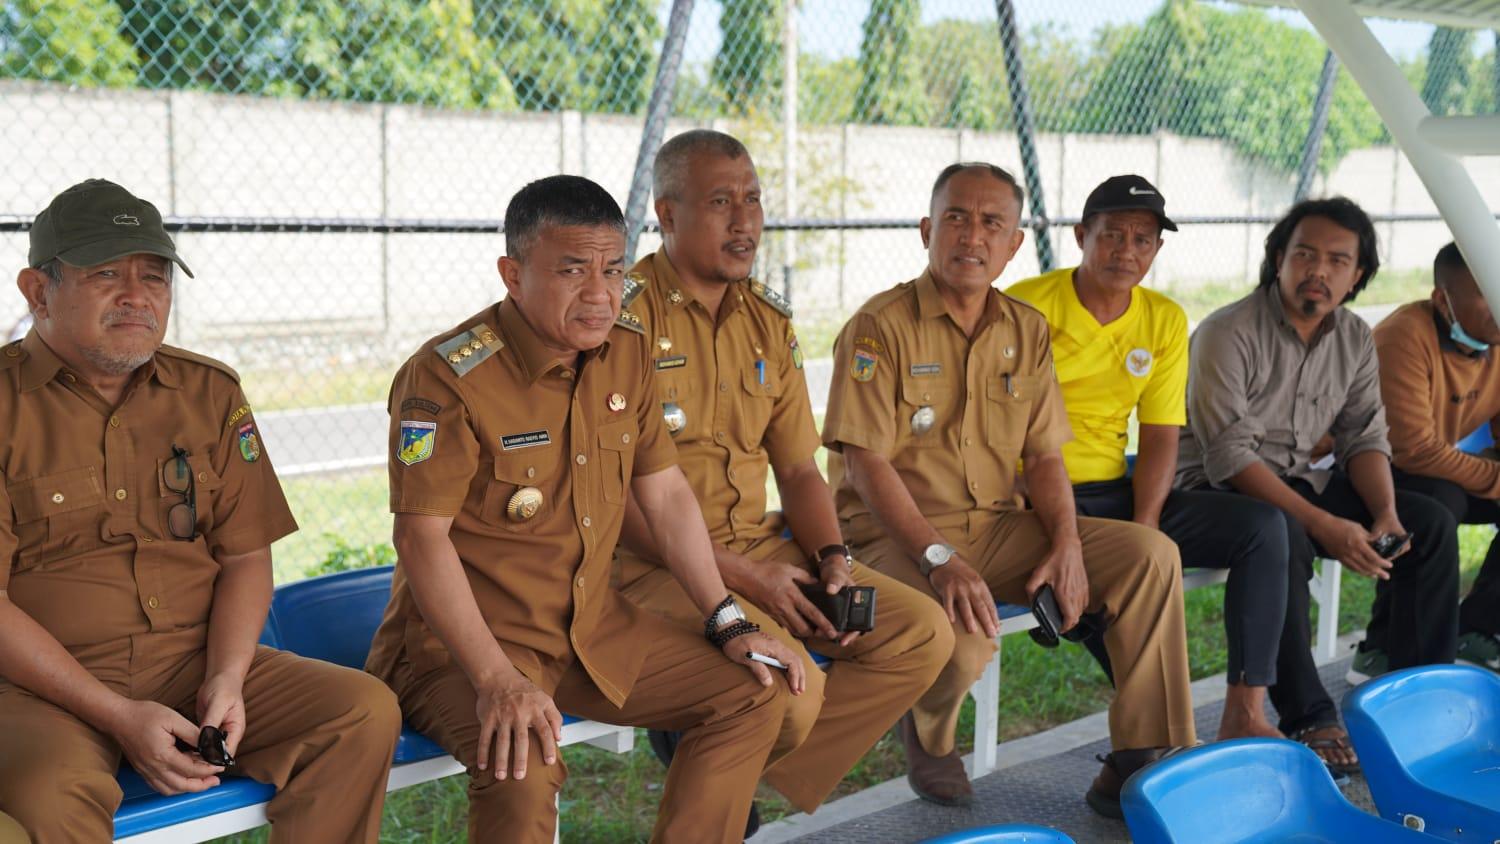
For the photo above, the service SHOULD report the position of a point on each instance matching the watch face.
(937, 555)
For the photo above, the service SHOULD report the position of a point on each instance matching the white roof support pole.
(1466, 135)
(1447, 181)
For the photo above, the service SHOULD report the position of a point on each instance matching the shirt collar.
(930, 304)
(42, 365)
(665, 277)
(536, 359)
(1271, 301)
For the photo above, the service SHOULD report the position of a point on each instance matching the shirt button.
(12, 352)
(731, 474)
(202, 477)
(530, 471)
(968, 441)
(723, 386)
(580, 460)
(587, 521)
(973, 484)
(68, 377)
(114, 421)
(580, 583)
(927, 397)
(121, 494)
(719, 437)
(152, 602)
(57, 498)
(147, 539)
(624, 438)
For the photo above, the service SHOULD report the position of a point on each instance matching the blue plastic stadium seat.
(1477, 441)
(1004, 834)
(144, 810)
(1248, 790)
(1429, 742)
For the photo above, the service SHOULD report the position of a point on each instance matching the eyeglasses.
(182, 519)
(211, 746)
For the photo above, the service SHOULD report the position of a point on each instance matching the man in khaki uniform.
(135, 566)
(516, 440)
(712, 327)
(940, 386)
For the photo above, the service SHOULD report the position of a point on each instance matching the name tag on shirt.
(511, 442)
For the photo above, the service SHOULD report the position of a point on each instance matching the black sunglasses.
(211, 746)
(182, 519)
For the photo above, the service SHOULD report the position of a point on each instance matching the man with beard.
(1268, 376)
(731, 389)
(136, 520)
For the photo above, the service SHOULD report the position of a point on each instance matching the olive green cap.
(96, 221)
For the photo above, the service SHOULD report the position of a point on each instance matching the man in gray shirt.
(1268, 376)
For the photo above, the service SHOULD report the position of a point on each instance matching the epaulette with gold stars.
(468, 349)
(772, 298)
(630, 322)
(635, 284)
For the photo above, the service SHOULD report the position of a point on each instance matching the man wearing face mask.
(1440, 380)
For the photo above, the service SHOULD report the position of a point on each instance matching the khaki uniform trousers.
(727, 718)
(844, 711)
(1135, 581)
(322, 734)
(11, 832)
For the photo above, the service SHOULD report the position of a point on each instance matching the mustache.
(1319, 286)
(119, 315)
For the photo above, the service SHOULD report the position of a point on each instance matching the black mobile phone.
(1386, 545)
(851, 609)
(1048, 617)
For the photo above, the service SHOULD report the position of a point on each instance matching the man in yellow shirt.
(1119, 347)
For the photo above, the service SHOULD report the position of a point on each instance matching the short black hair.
(1447, 261)
(669, 169)
(997, 172)
(557, 201)
(1343, 212)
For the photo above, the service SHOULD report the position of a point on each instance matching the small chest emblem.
(1138, 362)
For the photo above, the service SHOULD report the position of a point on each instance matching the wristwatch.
(935, 555)
(727, 613)
(830, 550)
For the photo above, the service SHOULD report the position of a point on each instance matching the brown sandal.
(1321, 745)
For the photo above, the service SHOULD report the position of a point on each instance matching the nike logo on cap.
(1135, 191)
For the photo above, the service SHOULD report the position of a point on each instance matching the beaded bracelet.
(708, 623)
(721, 637)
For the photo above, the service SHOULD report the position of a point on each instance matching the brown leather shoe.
(1104, 795)
(936, 779)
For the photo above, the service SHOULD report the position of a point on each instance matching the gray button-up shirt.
(1257, 392)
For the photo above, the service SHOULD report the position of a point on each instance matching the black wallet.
(849, 610)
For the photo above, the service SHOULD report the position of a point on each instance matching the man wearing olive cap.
(136, 517)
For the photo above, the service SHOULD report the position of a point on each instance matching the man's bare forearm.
(879, 484)
(670, 509)
(807, 505)
(1370, 474)
(31, 658)
(1258, 481)
(1052, 496)
(443, 595)
(242, 596)
(1155, 463)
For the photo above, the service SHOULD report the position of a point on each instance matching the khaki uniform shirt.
(1256, 392)
(483, 417)
(953, 415)
(85, 547)
(735, 382)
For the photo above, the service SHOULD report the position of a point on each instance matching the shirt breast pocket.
(759, 394)
(1007, 408)
(926, 407)
(56, 516)
(206, 484)
(616, 459)
(520, 493)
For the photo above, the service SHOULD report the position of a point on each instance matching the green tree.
(621, 58)
(747, 68)
(72, 41)
(890, 89)
(1449, 68)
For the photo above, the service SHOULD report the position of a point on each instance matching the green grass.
(352, 508)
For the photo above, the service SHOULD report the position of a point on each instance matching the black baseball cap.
(1128, 193)
(96, 221)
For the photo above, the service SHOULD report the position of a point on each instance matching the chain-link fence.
(337, 169)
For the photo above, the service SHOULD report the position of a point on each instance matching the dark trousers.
(1420, 600)
(1480, 611)
(1218, 530)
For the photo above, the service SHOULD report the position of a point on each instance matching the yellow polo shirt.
(1137, 362)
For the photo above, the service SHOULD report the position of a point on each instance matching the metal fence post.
(1312, 148)
(657, 109)
(1020, 104)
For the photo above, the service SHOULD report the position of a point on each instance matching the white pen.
(767, 660)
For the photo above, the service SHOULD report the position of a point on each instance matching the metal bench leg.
(986, 694)
(1325, 590)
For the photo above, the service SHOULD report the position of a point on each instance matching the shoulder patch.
(635, 284)
(772, 298)
(194, 357)
(468, 349)
(630, 322)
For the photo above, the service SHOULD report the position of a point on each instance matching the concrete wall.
(220, 156)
